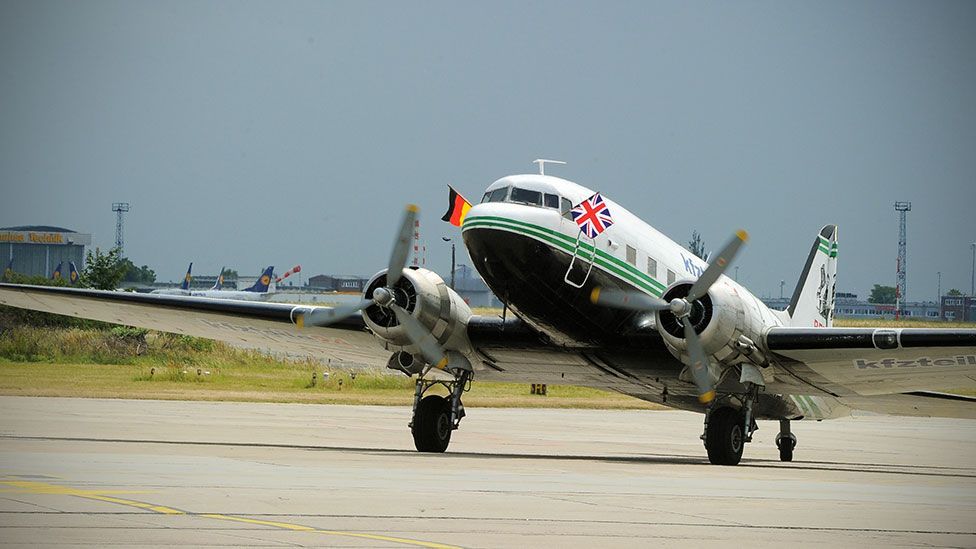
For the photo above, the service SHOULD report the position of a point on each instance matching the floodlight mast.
(119, 208)
(901, 291)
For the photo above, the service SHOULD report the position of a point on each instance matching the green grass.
(130, 363)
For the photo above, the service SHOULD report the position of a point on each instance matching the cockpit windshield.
(497, 195)
(526, 196)
(529, 197)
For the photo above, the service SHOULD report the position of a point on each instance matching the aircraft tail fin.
(264, 281)
(813, 298)
(73, 275)
(187, 278)
(56, 275)
(219, 284)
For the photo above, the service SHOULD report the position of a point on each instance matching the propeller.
(384, 297)
(701, 368)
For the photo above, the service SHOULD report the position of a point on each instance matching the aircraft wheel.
(724, 437)
(786, 444)
(432, 424)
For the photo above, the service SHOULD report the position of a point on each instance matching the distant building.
(36, 250)
(337, 283)
(959, 308)
(472, 288)
(847, 305)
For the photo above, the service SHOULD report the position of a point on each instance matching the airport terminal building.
(37, 249)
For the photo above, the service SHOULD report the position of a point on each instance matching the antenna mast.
(542, 164)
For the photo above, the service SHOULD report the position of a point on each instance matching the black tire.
(786, 445)
(432, 424)
(724, 436)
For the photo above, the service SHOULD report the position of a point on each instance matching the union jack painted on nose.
(592, 215)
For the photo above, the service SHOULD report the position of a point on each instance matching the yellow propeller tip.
(300, 321)
(595, 294)
(442, 364)
(412, 208)
(743, 236)
(705, 398)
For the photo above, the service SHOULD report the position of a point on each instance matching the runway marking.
(301, 528)
(31, 487)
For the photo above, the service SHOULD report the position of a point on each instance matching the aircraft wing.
(876, 361)
(255, 325)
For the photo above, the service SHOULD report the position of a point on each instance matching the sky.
(252, 133)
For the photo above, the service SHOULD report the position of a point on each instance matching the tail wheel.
(786, 444)
(724, 436)
(432, 424)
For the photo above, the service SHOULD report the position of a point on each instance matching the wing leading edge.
(255, 325)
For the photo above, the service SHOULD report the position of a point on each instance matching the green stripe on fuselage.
(567, 244)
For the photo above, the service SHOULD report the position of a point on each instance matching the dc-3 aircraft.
(601, 299)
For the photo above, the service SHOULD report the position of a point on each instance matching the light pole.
(736, 273)
(940, 286)
(451, 240)
(972, 276)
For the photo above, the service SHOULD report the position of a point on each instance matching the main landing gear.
(728, 428)
(434, 416)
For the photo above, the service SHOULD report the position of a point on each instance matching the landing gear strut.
(434, 416)
(785, 441)
(728, 428)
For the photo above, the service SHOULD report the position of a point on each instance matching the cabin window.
(526, 196)
(652, 267)
(552, 201)
(632, 255)
(497, 195)
(670, 277)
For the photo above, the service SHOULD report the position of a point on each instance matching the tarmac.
(87, 472)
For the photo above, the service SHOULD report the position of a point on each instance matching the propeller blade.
(421, 337)
(323, 316)
(398, 258)
(631, 301)
(699, 363)
(717, 267)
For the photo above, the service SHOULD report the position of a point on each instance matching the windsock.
(295, 269)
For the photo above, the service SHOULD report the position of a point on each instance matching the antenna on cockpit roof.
(542, 164)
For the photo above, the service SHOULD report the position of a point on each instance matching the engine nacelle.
(424, 295)
(727, 322)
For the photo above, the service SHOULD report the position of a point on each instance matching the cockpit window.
(551, 201)
(526, 196)
(497, 195)
(565, 207)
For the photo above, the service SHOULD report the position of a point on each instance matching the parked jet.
(598, 298)
(259, 291)
(184, 288)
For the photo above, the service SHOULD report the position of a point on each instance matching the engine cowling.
(424, 295)
(725, 321)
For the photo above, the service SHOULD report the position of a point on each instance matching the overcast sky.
(245, 134)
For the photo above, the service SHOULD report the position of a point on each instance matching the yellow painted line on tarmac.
(301, 528)
(31, 487)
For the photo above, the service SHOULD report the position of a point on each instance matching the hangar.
(37, 249)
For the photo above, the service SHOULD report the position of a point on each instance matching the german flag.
(457, 208)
